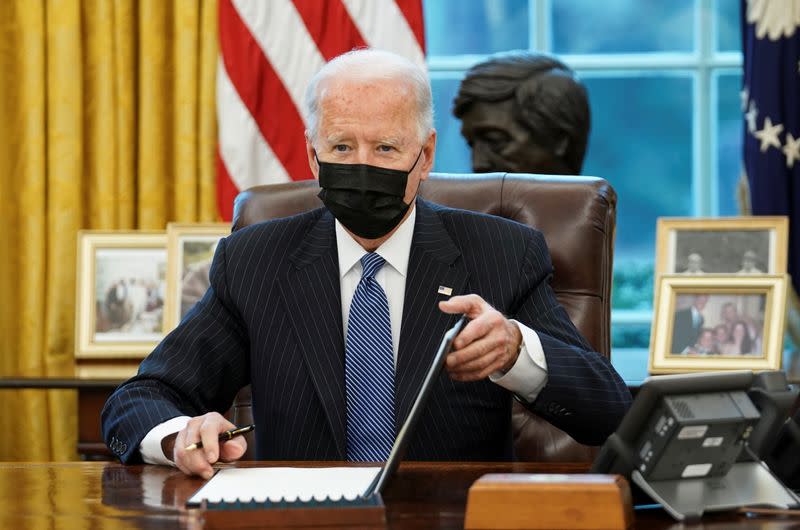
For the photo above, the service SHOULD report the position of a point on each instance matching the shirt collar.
(394, 250)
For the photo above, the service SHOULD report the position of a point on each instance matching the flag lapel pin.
(447, 291)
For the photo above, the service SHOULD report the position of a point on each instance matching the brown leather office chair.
(577, 216)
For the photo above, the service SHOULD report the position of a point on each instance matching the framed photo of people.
(190, 249)
(732, 322)
(121, 285)
(726, 245)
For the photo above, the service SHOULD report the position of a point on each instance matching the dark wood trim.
(49, 383)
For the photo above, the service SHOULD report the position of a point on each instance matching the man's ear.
(311, 153)
(429, 151)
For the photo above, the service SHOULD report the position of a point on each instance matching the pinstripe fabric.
(369, 369)
(273, 318)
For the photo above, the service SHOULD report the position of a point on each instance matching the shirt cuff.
(150, 448)
(529, 374)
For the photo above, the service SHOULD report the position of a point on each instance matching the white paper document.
(290, 483)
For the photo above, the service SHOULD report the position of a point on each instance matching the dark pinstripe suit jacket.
(272, 317)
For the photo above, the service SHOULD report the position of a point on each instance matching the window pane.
(632, 285)
(631, 364)
(630, 336)
(623, 26)
(475, 26)
(641, 142)
(452, 152)
(726, 18)
(729, 140)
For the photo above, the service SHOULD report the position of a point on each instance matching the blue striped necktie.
(369, 369)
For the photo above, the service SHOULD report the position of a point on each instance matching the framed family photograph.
(727, 245)
(121, 285)
(718, 323)
(190, 249)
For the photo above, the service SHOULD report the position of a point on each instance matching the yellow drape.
(107, 122)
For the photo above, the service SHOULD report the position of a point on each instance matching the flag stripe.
(330, 26)
(262, 92)
(284, 40)
(247, 156)
(412, 12)
(383, 26)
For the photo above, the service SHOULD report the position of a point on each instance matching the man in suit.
(334, 315)
(687, 324)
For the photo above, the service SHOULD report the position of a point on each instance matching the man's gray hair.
(369, 64)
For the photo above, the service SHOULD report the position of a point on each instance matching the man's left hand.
(489, 343)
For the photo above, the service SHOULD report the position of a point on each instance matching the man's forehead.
(341, 86)
(378, 111)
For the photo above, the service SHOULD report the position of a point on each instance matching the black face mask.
(367, 200)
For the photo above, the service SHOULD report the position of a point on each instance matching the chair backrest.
(577, 216)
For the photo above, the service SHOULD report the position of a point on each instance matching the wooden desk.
(106, 495)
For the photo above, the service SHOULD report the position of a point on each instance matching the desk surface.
(109, 496)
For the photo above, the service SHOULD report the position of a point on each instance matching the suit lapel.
(433, 263)
(312, 295)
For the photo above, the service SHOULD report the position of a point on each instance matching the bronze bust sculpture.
(527, 113)
(524, 113)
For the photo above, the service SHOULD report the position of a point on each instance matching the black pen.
(224, 436)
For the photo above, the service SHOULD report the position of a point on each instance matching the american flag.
(269, 51)
(771, 106)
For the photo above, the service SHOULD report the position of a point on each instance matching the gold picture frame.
(190, 248)
(718, 322)
(722, 245)
(120, 284)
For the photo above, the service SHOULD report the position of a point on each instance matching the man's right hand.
(206, 428)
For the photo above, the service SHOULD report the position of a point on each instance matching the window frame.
(703, 64)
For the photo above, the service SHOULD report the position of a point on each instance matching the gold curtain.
(107, 116)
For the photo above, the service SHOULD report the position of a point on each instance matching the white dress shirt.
(526, 378)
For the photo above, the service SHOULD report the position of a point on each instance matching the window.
(663, 78)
